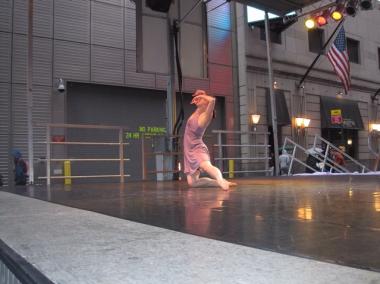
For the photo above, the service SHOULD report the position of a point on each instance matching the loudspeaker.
(351, 7)
(159, 5)
(366, 4)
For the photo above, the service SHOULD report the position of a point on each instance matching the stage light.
(322, 17)
(351, 7)
(366, 4)
(336, 15)
(310, 23)
(321, 20)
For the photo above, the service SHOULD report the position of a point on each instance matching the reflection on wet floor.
(335, 219)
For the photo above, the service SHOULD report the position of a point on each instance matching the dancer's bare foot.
(225, 185)
(232, 183)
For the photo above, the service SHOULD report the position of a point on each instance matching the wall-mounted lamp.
(339, 95)
(301, 125)
(302, 122)
(255, 120)
(61, 85)
(375, 127)
(306, 122)
(349, 141)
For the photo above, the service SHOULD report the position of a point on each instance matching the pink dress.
(194, 149)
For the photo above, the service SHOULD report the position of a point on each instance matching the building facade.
(114, 57)
(293, 51)
(116, 60)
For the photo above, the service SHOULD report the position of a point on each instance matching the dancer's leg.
(194, 181)
(201, 182)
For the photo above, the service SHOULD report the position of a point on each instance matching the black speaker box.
(159, 5)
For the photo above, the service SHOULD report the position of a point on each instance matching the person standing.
(196, 154)
(284, 160)
(338, 157)
(20, 168)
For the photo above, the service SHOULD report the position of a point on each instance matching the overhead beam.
(278, 7)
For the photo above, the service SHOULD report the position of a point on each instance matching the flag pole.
(319, 54)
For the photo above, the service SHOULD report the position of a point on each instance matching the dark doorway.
(345, 139)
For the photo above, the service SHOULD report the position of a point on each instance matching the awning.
(281, 109)
(340, 113)
(279, 7)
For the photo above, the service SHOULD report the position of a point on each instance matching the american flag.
(338, 57)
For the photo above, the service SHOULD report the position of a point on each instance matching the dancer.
(196, 155)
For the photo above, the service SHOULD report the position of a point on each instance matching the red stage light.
(321, 21)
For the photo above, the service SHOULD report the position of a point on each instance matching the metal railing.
(250, 158)
(374, 136)
(320, 154)
(295, 156)
(120, 144)
(158, 149)
(318, 140)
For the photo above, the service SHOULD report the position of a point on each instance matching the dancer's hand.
(196, 99)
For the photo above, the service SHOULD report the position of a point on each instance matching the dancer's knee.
(192, 179)
(189, 180)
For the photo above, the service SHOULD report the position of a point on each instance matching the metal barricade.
(320, 154)
(294, 157)
(166, 163)
(318, 140)
(120, 159)
(261, 156)
(373, 146)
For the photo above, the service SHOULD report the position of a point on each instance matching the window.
(152, 34)
(275, 37)
(316, 39)
(353, 50)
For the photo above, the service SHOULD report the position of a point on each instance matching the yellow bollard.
(67, 172)
(231, 166)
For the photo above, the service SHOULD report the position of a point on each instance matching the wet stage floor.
(334, 218)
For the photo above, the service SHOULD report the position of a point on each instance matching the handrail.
(87, 160)
(240, 145)
(240, 132)
(83, 143)
(241, 158)
(293, 158)
(145, 155)
(371, 136)
(363, 167)
(252, 160)
(84, 126)
(321, 157)
(120, 144)
(88, 176)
